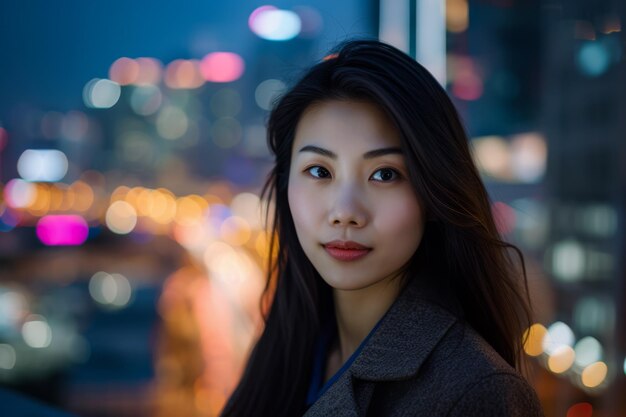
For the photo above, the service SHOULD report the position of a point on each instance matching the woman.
(391, 290)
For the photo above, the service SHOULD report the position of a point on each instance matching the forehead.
(348, 125)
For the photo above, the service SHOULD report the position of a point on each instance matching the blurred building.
(583, 114)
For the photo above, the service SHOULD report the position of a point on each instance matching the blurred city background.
(132, 152)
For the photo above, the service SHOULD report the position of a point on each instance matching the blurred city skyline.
(51, 50)
(133, 148)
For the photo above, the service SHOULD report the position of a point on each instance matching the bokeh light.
(193, 235)
(588, 350)
(228, 265)
(529, 156)
(124, 71)
(7, 356)
(504, 217)
(561, 359)
(271, 23)
(121, 217)
(37, 332)
(19, 193)
(101, 93)
(593, 58)
(267, 91)
(146, 100)
(62, 230)
(189, 210)
(235, 231)
(533, 337)
(13, 305)
(42, 202)
(248, 207)
(222, 67)
(110, 290)
(580, 410)
(150, 71)
(457, 15)
(42, 165)
(172, 122)
(163, 207)
(467, 83)
(559, 334)
(568, 260)
(493, 156)
(594, 374)
(84, 195)
(183, 74)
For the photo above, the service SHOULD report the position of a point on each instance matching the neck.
(358, 311)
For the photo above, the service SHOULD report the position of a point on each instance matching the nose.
(347, 209)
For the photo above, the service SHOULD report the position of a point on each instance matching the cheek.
(402, 220)
(303, 208)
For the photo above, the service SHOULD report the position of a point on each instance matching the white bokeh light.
(559, 334)
(274, 24)
(7, 356)
(588, 350)
(110, 290)
(121, 217)
(101, 93)
(48, 165)
(568, 260)
(37, 332)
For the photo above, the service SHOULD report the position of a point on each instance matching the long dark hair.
(461, 245)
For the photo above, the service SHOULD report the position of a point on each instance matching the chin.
(346, 284)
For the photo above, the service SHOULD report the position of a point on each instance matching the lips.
(346, 250)
(345, 244)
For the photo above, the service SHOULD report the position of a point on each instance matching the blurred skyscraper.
(583, 102)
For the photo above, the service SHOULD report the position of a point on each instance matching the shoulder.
(498, 394)
(477, 380)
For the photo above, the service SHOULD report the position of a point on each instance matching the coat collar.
(408, 333)
(404, 339)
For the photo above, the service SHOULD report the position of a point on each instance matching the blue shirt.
(320, 353)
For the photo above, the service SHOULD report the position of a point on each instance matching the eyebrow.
(367, 155)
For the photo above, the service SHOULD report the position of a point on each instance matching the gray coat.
(423, 361)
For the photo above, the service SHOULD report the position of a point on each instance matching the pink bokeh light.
(62, 230)
(258, 11)
(222, 67)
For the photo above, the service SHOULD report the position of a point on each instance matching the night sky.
(49, 50)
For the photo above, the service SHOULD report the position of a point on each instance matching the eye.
(318, 172)
(385, 175)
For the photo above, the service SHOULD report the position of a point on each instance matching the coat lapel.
(408, 333)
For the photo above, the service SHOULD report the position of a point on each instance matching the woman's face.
(348, 181)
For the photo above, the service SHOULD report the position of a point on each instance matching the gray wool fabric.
(423, 361)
